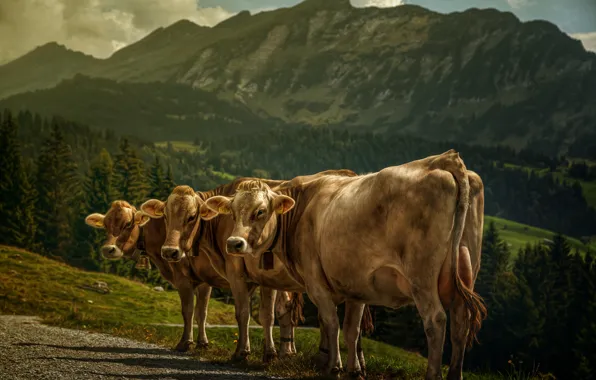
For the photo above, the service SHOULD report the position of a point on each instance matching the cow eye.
(191, 218)
(260, 213)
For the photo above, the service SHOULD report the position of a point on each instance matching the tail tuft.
(366, 324)
(296, 308)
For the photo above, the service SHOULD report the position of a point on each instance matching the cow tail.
(297, 308)
(472, 301)
(366, 323)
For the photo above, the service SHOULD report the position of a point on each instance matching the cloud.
(96, 27)
(588, 39)
(517, 4)
(377, 3)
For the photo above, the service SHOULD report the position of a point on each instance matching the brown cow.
(244, 274)
(389, 238)
(130, 230)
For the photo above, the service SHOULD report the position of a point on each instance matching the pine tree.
(168, 183)
(9, 171)
(156, 180)
(25, 226)
(584, 345)
(99, 187)
(494, 284)
(130, 175)
(58, 189)
(98, 195)
(558, 305)
(17, 226)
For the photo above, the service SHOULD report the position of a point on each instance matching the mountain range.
(480, 76)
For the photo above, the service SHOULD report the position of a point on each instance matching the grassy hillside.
(31, 284)
(34, 285)
(517, 235)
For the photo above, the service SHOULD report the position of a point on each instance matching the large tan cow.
(400, 236)
(184, 227)
(130, 232)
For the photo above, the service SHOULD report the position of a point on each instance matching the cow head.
(254, 209)
(181, 216)
(121, 224)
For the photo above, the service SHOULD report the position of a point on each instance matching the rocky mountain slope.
(479, 75)
(153, 111)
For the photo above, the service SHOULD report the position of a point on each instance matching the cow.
(130, 233)
(183, 214)
(408, 234)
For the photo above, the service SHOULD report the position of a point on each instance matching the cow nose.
(171, 253)
(236, 244)
(110, 252)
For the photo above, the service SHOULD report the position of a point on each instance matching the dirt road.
(30, 350)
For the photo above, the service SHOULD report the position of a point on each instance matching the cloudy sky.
(99, 27)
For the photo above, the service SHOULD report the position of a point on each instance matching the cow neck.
(267, 258)
(276, 237)
(140, 249)
(195, 252)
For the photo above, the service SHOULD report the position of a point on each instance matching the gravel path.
(30, 350)
(231, 326)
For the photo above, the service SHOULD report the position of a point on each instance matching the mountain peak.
(184, 25)
(235, 21)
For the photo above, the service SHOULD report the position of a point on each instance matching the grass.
(31, 284)
(180, 146)
(34, 285)
(518, 235)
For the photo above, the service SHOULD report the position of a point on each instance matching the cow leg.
(459, 334)
(328, 314)
(186, 294)
(241, 292)
(203, 293)
(435, 322)
(286, 328)
(266, 311)
(323, 344)
(361, 354)
(352, 318)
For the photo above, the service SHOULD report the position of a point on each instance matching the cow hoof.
(454, 376)
(269, 357)
(287, 354)
(184, 346)
(202, 345)
(335, 372)
(240, 356)
(356, 375)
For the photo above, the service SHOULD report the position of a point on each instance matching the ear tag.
(99, 224)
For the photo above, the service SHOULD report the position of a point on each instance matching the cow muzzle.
(172, 253)
(236, 245)
(111, 252)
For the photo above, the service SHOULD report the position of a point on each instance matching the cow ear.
(219, 204)
(283, 204)
(153, 208)
(207, 213)
(141, 218)
(95, 220)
